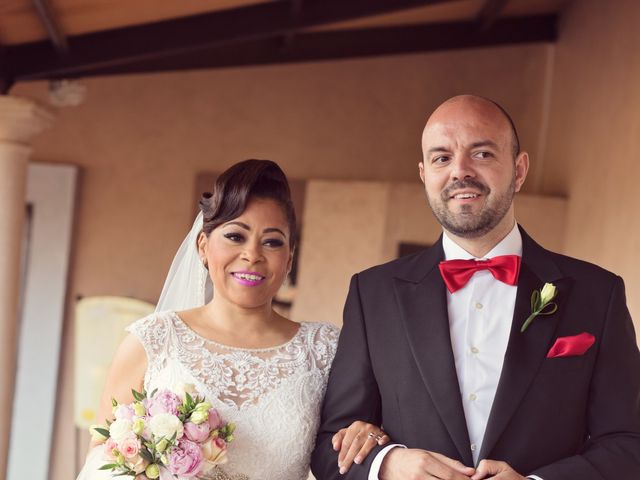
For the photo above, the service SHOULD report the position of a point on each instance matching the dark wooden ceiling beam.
(296, 11)
(183, 35)
(490, 12)
(47, 17)
(341, 44)
(6, 81)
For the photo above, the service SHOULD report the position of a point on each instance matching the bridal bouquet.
(165, 435)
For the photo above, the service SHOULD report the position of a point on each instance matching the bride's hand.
(356, 442)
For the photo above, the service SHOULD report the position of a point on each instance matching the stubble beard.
(466, 223)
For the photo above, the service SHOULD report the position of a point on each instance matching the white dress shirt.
(480, 316)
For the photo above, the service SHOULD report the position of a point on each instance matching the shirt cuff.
(377, 462)
(534, 477)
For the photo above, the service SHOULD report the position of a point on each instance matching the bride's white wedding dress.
(273, 395)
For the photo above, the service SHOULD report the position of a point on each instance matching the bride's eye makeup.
(234, 237)
(273, 242)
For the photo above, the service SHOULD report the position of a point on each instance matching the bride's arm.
(126, 373)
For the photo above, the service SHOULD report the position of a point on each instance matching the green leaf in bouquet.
(109, 466)
(153, 393)
(227, 430)
(144, 453)
(114, 402)
(102, 431)
(128, 473)
(137, 395)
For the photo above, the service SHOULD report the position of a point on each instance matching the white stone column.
(20, 120)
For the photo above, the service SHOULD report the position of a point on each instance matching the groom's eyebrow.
(484, 143)
(437, 150)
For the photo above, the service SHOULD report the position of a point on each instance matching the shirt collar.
(509, 245)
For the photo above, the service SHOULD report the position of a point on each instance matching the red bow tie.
(456, 273)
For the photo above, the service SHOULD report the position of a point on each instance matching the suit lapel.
(527, 350)
(423, 308)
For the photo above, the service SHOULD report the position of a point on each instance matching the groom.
(433, 347)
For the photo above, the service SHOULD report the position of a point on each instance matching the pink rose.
(214, 419)
(164, 401)
(215, 451)
(137, 464)
(185, 459)
(197, 433)
(129, 447)
(124, 412)
(109, 446)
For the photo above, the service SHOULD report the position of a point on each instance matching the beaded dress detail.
(273, 395)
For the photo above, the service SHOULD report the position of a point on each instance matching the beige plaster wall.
(350, 226)
(416, 223)
(343, 233)
(140, 140)
(594, 136)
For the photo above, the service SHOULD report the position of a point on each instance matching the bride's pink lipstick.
(248, 279)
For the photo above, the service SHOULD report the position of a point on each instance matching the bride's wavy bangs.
(239, 184)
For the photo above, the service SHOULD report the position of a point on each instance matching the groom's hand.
(497, 470)
(403, 463)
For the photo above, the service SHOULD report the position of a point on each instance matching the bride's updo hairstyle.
(237, 185)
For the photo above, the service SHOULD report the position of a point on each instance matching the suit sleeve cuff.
(377, 462)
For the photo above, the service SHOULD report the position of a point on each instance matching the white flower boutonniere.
(541, 303)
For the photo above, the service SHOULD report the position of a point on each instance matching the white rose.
(547, 293)
(165, 425)
(121, 429)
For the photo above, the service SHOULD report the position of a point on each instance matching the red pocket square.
(572, 346)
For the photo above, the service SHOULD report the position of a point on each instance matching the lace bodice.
(273, 395)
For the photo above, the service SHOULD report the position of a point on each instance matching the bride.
(260, 370)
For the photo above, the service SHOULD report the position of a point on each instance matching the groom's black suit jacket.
(563, 418)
